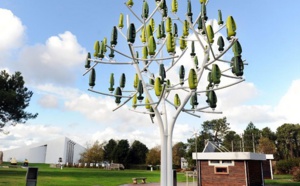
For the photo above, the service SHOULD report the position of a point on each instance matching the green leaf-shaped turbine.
(131, 33)
(92, 78)
(118, 95)
(151, 46)
(111, 83)
(170, 44)
(122, 81)
(121, 21)
(230, 27)
(87, 61)
(193, 82)
(145, 13)
(114, 37)
(220, 20)
(216, 74)
(221, 44)
(157, 86)
(181, 74)
(177, 101)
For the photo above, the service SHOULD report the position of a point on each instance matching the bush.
(286, 166)
(296, 174)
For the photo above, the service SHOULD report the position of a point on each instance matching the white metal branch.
(119, 106)
(89, 69)
(105, 94)
(218, 88)
(138, 18)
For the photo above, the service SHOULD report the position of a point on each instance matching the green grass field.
(282, 180)
(78, 176)
(97, 177)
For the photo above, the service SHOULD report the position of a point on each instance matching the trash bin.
(31, 176)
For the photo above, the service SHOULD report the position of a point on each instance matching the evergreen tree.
(232, 141)
(109, 150)
(137, 153)
(121, 152)
(14, 99)
(251, 137)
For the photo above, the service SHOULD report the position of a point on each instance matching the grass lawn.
(77, 176)
(98, 177)
(282, 180)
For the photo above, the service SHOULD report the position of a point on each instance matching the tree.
(137, 153)
(153, 156)
(202, 137)
(14, 99)
(288, 140)
(156, 53)
(232, 141)
(121, 152)
(179, 151)
(266, 146)
(93, 154)
(250, 138)
(217, 129)
(109, 150)
(268, 133)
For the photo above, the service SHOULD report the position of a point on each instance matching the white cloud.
(48, 101)
(21, 135)
(56, 61)
(100, 109)
(58, 91)
(289, 104)
(11, 32)
(12, 37)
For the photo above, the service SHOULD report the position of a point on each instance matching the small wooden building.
(230, 168)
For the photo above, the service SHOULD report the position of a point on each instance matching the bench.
(140, 178)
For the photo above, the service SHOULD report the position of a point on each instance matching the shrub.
(296, 174)
(286, 166)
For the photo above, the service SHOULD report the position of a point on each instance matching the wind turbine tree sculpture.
(162, 47)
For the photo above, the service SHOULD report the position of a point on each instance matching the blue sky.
(47, 41)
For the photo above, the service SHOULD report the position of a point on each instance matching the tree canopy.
(179, 151)
(153, 156)
(251, 137)
(93, 154)
(121, 152)
(216, 128)
(232, 141)
(14, 99)
(288, 140)
(284, 144)
(109, 150)
(137, 153)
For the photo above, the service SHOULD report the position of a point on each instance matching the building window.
(215, 161)
(221, 162)
(227, 162)
(221, 170)
(70, 151)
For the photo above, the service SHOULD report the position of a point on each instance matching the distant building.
(47, 152)
(184, 163)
